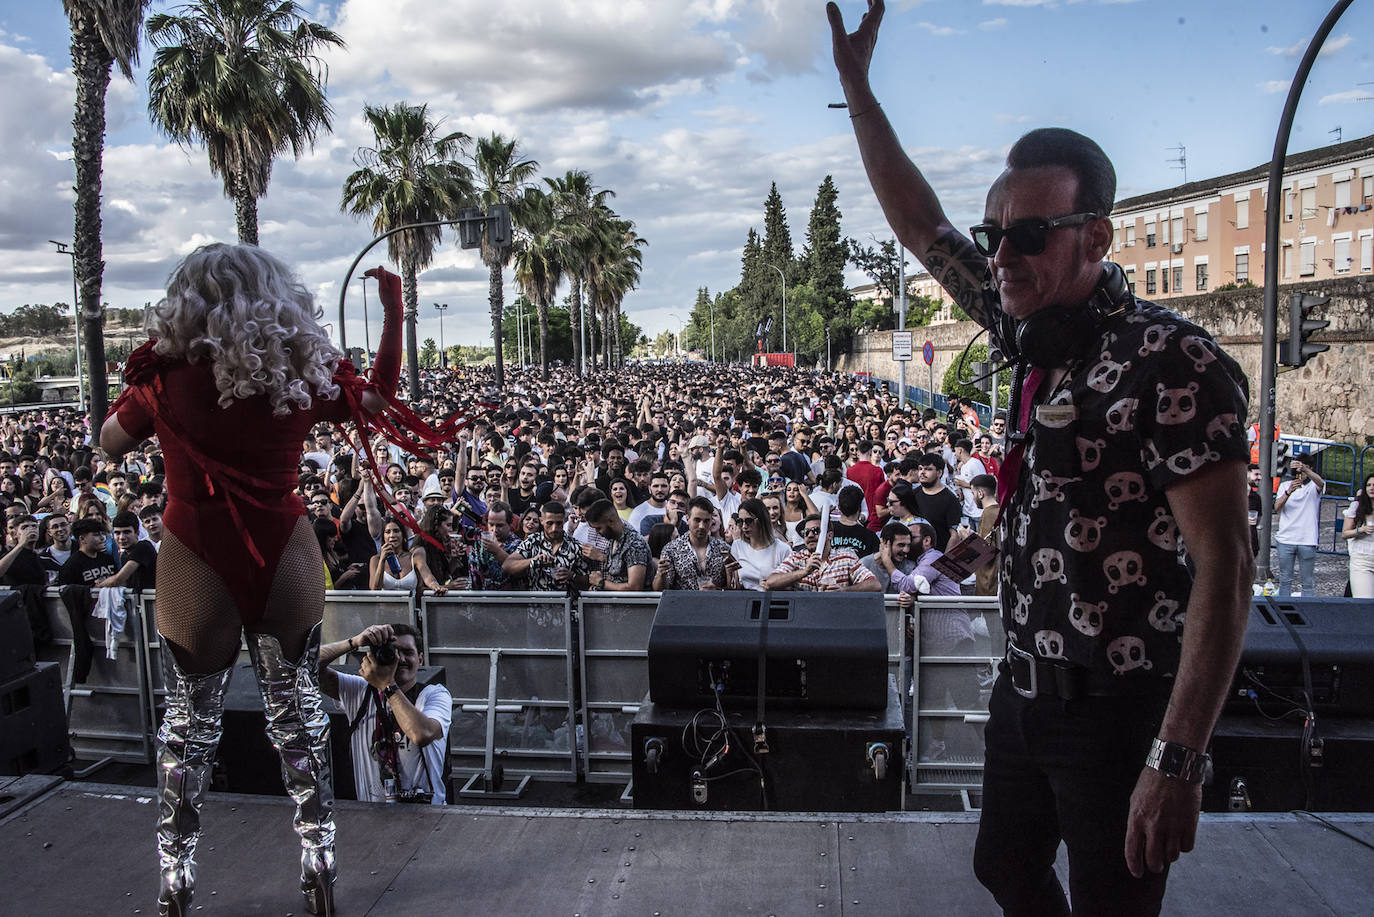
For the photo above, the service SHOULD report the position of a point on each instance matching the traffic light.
(1296, 351)
(1279, 467)
(470, 229)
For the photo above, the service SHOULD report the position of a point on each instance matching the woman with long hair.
(620, 498)
(1358, 533)
(393, 566)
(757, 549)
(796, 506)
(773, 503)
(236, 373)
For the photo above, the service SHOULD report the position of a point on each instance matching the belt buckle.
(1021, 665)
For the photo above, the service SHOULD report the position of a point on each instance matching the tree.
(541, 257)
(614, 272)
(880, 263)
(412, 175)
(243, 78)
(104, 33)
(958, 378)
(826, 253)
(581, 212)
(500, 178)
(429, 354)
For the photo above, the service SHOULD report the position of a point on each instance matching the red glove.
(386, 369)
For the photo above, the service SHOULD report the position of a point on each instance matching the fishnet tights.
(199, 618)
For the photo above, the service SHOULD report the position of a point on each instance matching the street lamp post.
(782, 277)
(712, 304)
(64, 249)
(441, 308)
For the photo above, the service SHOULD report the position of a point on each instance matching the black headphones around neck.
(1057, 337)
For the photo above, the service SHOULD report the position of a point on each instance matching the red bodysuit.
(231, 471)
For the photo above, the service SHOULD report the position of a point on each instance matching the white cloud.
(1272, 86)
(1331, 46)
(992, 25)
(1350, 95)
(941, 31)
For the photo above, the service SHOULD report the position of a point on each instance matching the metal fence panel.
(531, 632)
(613, 659)
(954, 673)
(349, 612)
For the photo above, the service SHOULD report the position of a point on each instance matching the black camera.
(383, 655)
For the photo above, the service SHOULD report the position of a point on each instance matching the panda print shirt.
(1092, 568)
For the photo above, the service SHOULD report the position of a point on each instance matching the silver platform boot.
(187, 741)
(298, 728)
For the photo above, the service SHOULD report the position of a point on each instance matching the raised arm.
(909, 203)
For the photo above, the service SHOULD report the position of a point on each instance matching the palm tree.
(614, 272)
(581, 210)
(501, 177)
(242, 77)
(541, 256)
(104, 33)
(412, 175)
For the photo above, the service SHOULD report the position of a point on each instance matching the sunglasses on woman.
(1028, 237)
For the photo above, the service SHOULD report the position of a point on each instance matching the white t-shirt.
(1360, 544)
(434, 702)
(754, 564)
(967, 472)
(1300, 515)
(728, 504)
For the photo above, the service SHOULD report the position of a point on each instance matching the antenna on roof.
(1182, 159)
(1337, 131)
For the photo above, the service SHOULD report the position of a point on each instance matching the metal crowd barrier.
(613, 633)
(953, 680)
(107, 716)
(509, 661)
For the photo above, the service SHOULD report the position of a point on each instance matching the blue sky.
(687, 109)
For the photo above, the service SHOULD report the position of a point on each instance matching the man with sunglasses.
(1127, 420)
(807, 569)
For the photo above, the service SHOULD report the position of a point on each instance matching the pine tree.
(777, 238)
(825, 255)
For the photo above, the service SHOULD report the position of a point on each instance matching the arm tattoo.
(965, 275)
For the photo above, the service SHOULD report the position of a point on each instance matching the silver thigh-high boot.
(187, 740)
(299, 729)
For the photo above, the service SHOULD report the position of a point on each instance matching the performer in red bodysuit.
(237, 372)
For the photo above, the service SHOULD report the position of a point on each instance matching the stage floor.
(87, 849)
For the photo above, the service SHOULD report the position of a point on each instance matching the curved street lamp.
(784, 303)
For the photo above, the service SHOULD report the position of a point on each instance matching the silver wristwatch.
(1178, 761)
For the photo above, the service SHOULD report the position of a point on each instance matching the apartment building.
(1206, 234)
(918, 284)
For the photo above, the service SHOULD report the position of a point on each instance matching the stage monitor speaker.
(1271, 766)
(17, 655)
(33, 723)
(1335, 637)
(821, 651)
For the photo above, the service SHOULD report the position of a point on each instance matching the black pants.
(1064, 770)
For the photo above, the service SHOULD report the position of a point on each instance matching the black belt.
(1034, 677)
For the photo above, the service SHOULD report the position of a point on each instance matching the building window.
(1309, 203)
(1164, 279)
(1367, 253)
(1130, 278)
(1288, 261)
(1288, 205)
(1130, 235)
(1343, 193)
(1149, 235)
(1150, 282)
(1242, 213)
(1178, 279)
(1341, 253)
(1201, 277)
(1200, 225)
(1368, 187)
(1309, 259)
(1242, 267)
(1178, 231)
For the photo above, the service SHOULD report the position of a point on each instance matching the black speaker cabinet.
(33, 722)
(16, 637)
(1262, 765)
(823, 651)
(247, 761)
(817, 761)
(1337, 636)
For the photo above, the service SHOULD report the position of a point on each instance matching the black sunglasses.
(1026, 236)
(809, 532)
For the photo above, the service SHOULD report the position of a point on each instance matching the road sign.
(928, 353)
(901, 346)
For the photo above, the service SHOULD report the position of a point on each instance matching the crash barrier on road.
(525, 667)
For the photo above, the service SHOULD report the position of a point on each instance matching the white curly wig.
(245, 311)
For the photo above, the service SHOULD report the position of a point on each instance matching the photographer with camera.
(398, 729)
(1298, 504)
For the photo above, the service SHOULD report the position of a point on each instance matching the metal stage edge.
(87, 849)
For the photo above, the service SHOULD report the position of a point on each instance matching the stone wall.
(1332, 397)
